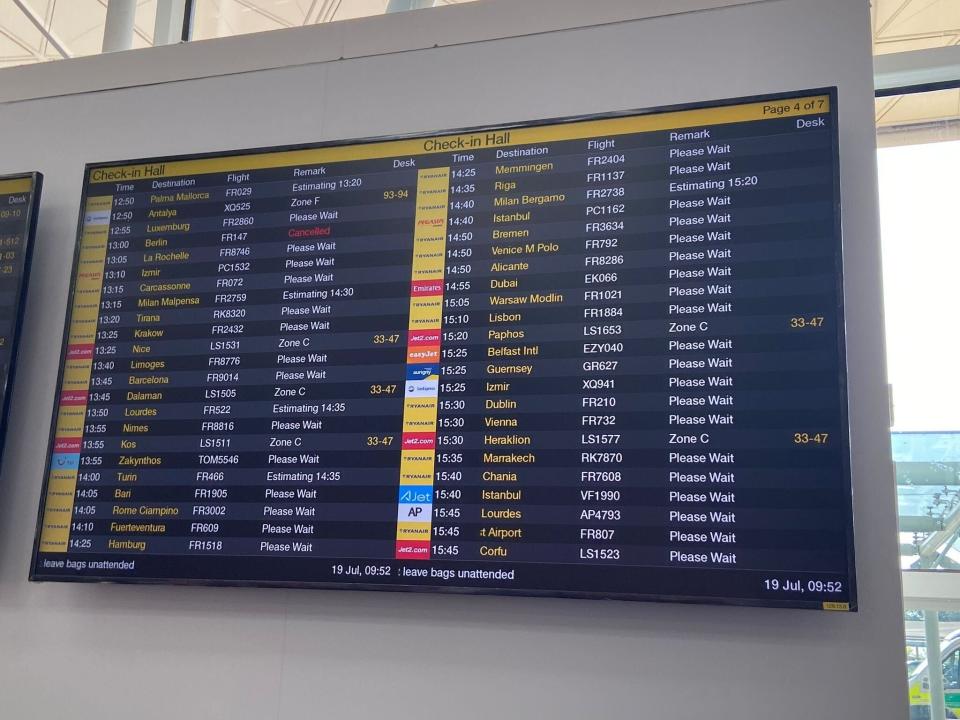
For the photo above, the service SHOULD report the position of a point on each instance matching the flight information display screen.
(596, 357)
(19, 204)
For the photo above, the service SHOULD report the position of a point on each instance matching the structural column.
(931, 626)
(118, 28)
(168, 26)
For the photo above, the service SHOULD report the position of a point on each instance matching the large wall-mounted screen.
(598, 357)
(19, 205)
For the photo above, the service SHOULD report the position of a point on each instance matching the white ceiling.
(220, 18)
(904, 25)
(76, 26)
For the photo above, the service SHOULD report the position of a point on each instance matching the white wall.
(112, 652)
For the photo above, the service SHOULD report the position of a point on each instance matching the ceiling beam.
(927, 35)
(264, 13)
(38, 24)
(916, 67)
(892, 17)
(332, 7)
(34, 53)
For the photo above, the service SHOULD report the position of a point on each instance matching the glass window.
(919, 170)
(951, 671)
(918, 138)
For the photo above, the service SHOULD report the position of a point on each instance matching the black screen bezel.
(691, 599)
(29, 240)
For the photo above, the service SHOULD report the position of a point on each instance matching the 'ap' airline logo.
(408, 512)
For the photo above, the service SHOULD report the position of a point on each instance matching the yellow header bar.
(769, 110)
(16, 185)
